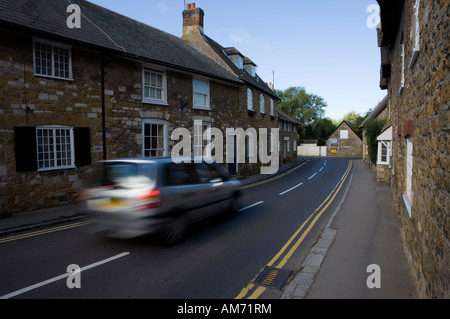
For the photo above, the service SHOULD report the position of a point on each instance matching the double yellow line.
(45, 231)
(282, 256)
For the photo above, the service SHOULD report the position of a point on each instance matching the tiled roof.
(108, 30)
(243, 75)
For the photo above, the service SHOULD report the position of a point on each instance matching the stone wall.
(28, 100)
(421, 111)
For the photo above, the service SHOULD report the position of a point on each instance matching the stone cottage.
(344, 142)
(112, 88)
(415, 44)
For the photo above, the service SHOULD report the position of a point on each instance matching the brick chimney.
(192, 20)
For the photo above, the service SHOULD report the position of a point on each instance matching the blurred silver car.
(141, 196)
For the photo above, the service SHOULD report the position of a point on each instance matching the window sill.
(53, 77)
(251, 112)
(203, 108)
(157, 102)
(407, 204)
(56, 168)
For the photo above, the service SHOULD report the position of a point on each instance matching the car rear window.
(127, 175)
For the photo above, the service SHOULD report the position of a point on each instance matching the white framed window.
(52, 59)
(200, 143)
(261, 104)
(155, 141)
(201, 94)
(415, 34)
(407, 198)
(154, 86)
(250, 99)
(384, 152)
(272, 108)
(402, 79)
(55, 147)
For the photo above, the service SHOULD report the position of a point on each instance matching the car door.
(214, 191)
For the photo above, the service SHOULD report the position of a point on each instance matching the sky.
(326, 46)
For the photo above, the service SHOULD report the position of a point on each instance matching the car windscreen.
(127, 175)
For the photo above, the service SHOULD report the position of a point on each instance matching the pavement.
(359, 254)
(359, 247)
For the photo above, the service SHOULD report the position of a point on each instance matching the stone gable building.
(415, 44)
(344, 142)
(112, 88)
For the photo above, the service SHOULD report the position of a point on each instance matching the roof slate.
(109, 30)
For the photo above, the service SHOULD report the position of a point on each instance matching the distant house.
(414, 40)
(344, 142)
(288, 128)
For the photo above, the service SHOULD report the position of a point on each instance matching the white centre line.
(312, 176)
(250, 206)
(290, 189)
(49, 281)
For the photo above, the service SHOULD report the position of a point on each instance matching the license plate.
(109, 204)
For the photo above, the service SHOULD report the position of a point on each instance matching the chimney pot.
(188, 7)
(193, 5)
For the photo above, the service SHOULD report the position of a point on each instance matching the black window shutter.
(82, 138)
(25, 147)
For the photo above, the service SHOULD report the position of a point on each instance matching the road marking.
(275, 177)
(51, 280)
(250, 206)
(312, 176)
(290, 189)
(317, 213)
(321, 168)
(45, 231)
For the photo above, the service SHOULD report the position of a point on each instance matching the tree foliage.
(301, 105)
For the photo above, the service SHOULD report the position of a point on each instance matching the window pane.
(154, 139)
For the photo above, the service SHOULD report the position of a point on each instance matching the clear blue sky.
(324, 46)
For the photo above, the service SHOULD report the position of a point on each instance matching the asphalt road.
(280, 221)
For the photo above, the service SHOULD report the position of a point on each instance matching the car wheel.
(176, 230)
(235, 204)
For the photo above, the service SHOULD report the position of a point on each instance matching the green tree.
(301, 105)
(320, 130)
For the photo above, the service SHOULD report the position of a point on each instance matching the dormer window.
(240, 62)
(235, 56)
(250, 67)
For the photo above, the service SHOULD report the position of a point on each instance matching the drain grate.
(273, 277)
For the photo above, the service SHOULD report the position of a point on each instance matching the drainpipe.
(103, 106)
